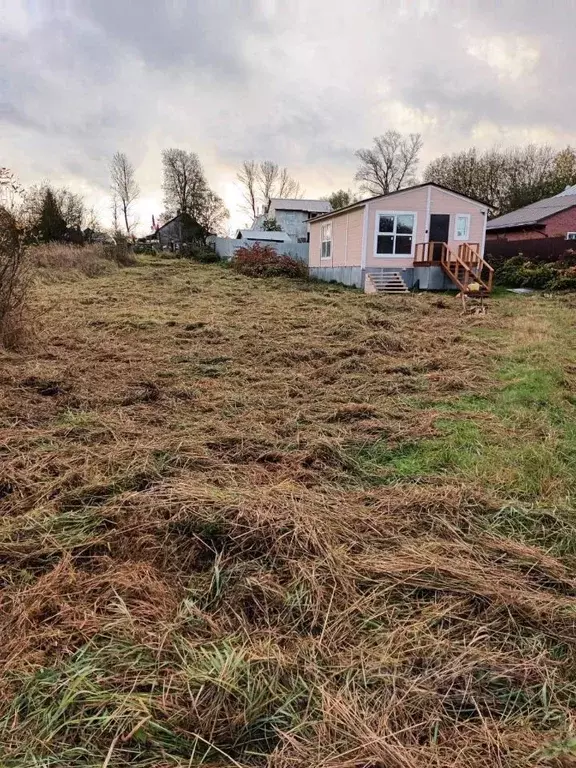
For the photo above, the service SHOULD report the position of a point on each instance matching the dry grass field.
(269, 523)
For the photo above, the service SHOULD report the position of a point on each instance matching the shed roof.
(533, 213)
(261, 234)
(310, 206)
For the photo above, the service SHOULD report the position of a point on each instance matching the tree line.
(505, 179)
(47, 212)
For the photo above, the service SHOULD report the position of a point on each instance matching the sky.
(304, 83)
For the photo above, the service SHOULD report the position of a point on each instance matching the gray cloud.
(302, 83)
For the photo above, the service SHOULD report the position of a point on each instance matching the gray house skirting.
(424, 278)
(352, 276)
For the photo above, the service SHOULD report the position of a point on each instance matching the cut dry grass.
(208, 556)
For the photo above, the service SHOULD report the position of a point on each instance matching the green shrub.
(519, 273)
(199, 252)
(144, 249)
(264, 261)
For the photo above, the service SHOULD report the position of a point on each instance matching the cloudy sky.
(301, 82)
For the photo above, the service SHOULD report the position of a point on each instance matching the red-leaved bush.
(264, 261)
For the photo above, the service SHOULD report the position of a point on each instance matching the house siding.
(348, 244)
(346, 240)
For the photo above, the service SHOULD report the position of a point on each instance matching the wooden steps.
(387, 282)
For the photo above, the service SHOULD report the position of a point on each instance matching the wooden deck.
(464, 266)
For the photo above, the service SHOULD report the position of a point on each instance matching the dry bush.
(264, 261)
(91, 260)
(15, 282)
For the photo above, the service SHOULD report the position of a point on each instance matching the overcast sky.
(301, 82)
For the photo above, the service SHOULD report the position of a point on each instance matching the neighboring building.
(261, 235)
(293, 215)
(426, 235)
(181, 230)
(552, 217)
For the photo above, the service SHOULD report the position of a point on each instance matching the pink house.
(425, 236)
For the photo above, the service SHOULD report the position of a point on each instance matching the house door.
(439, 232)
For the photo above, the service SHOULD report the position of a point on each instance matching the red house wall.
(555, 226)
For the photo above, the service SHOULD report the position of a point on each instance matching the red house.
(552, 217)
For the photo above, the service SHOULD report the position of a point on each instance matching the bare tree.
(390, 164)
(213, 214)
(115, 211)
(124, 186)
(9, 189)
(248, 179)
(184, 184)
(274, 181)
(263, 180)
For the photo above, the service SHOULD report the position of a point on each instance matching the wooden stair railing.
(463, 267)
(466, 267)
(469, 253)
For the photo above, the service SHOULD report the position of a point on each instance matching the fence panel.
(540, 250)
(225, 247)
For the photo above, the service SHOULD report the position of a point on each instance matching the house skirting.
(352, 276)
(424, 278)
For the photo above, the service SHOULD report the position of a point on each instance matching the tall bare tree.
(248, 179)
(259, 181)
(124, 186)
(184, 184)
(390, 164)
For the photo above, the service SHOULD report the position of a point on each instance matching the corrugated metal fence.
(225, 247)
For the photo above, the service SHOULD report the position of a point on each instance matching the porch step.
(388, 282)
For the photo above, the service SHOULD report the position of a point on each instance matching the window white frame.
(377, 232)
(326, 240)
(570, 235)
(467, 217)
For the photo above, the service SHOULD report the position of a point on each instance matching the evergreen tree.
(51, 225)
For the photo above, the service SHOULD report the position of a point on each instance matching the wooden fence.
(542, 250)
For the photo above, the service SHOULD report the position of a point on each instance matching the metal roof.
(568, 191)
(310, 206)
(533, 213)
(261, 234)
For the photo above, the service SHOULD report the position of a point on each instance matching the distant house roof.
(534, 213)
(261, 234)
(310, 206)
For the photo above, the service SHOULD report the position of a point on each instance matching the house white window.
(395, 234)
(326, 252)
(570, 235)
(462, 226)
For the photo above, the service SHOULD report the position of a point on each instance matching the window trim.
(466, 216)
(377, 232)
(568, 235)
(327, 240)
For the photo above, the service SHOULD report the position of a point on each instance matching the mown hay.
(221, 578)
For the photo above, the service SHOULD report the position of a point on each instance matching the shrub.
(120, 252)
(144, 249)
(15, 283)
(517, 272)
(264, 261)
(199, 252)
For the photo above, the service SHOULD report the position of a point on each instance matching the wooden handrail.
(467, 257)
